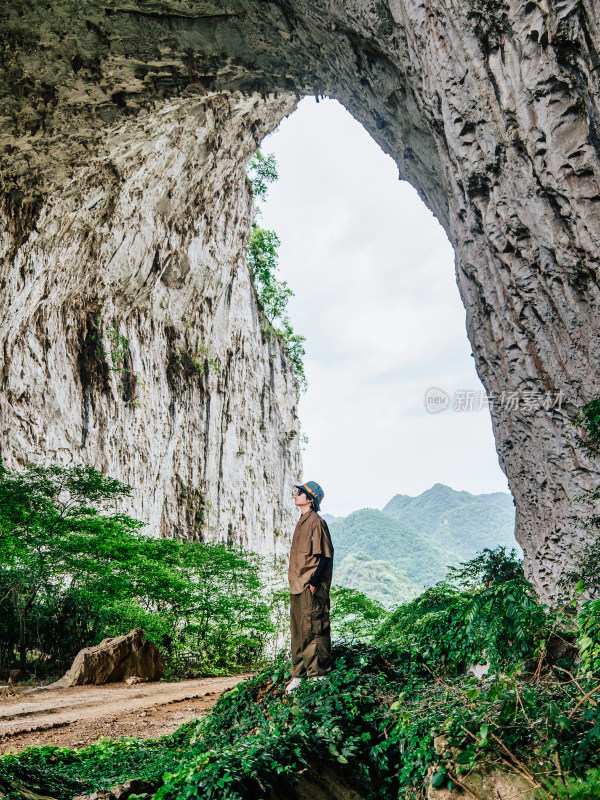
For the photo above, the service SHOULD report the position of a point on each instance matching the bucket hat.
(312, 490)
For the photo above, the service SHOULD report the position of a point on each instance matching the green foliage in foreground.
(62, 773)
(72, 573)
(486, 610)
(373, 720)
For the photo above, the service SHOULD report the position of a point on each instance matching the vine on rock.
(263, 258)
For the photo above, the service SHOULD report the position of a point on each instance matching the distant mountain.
(410, 544)
(329, 518)
(461, 522)
(383, 538)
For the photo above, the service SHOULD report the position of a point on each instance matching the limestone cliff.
(489, 107)
(131, 335)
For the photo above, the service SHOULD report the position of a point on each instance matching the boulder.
(116, 660)
(485, 782)
(489, 782)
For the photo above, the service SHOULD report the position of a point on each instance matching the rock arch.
(138, 116)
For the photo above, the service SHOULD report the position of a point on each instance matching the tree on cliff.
(263, 260)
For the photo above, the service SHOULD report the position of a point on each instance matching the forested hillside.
(384, 582)
(459, 521)
(394, 554)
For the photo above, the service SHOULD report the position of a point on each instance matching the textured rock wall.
(131, 335)
(490, 109)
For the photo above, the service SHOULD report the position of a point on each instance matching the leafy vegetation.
(485, 611)
(375, 720)
(261, 172)
(113, 348)
(49, 517)
(263, 260)
(392, 715)
(195, 359)
(62, 773)
(459, 522)
(72, 574)
(377, 578)
(354, 616)
(589, 638)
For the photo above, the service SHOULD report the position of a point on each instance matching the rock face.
(124, 132)
(490, 783)
(132, 338)
(116, 660)
(485, 781)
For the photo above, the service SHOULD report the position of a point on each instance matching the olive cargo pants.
(311, 632)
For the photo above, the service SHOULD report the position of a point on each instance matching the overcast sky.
(376, 299)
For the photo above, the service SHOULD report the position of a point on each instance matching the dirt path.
(80, 715)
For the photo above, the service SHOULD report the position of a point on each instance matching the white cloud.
(376, 297)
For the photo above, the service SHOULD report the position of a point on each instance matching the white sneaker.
(293, 684)
(318, 677)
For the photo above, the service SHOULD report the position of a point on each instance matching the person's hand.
(313, 589)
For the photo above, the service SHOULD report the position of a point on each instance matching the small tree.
(262, 171)
(80, 574)
(263, 258)
(485, 609)
(354, 616)
(48, 517)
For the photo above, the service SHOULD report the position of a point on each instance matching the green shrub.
(486, 610)
(586, 787)
(72, 574)
(589, 635)
(373, 720)
(375, 717)
(63, 772)
(354, 616)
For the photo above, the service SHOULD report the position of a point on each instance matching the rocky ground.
(79, 715)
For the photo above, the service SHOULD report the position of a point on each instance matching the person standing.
(309, 573)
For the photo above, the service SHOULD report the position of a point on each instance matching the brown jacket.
(310, 541)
